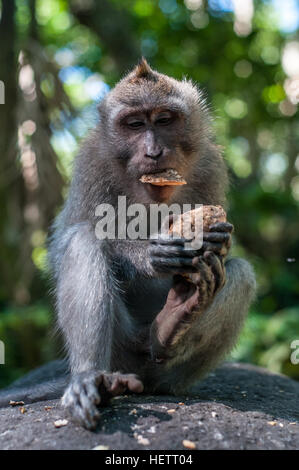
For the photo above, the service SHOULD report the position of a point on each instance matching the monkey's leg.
(207, 334)
(88, 299)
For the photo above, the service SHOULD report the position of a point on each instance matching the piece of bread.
(185, 224)
(168, 177)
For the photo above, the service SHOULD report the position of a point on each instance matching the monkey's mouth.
(154, 170)
(165, 177)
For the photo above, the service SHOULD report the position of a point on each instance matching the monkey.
(130, 319)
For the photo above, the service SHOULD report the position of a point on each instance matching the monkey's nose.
(154, 153)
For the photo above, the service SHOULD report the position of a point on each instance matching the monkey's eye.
(134, 124)
(164, 120)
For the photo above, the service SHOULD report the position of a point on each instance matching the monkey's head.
(151, 122)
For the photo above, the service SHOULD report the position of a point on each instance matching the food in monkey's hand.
(187, 223)
(168, 177)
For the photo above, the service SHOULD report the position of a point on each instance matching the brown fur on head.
(145, 86)
(142, 71)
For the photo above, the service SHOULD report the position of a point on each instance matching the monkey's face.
(150, 122)
(149, 140)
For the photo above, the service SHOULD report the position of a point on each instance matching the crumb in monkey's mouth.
(167, 177)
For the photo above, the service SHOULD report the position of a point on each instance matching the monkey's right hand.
(89, 390)
(170, 256)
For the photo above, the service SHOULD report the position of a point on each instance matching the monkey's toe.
(123, 382)
(82, 409)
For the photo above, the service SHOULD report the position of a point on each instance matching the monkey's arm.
(163, 256)
(135, 258)
(138, 257)
(89, 304)
(211, 332)
(83, 301)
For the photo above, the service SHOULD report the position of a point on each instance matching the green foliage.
(28, 336)
(266, 341)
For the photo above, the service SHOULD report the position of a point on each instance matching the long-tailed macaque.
(130, 320)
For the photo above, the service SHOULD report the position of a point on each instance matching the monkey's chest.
(145, 298)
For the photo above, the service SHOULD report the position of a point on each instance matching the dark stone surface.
(237, 407)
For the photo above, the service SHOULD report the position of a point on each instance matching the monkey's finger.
(179, 261)
(107, 381)
(210, 246)
(209, 279)
(92, 392)
(206, 282)
(84, 416)
(135, 385)
(217, 269)
(170, 241)
(222, 227)
(175, 251)
(91, 413)
(131, 383)
(167, 264)
(118, 387)
(122, 382)
(118, 383)
(218, 237)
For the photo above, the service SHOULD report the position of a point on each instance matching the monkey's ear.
(143, 71)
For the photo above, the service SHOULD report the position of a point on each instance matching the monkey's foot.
(186, 300)
(175, 317)
(89, 390)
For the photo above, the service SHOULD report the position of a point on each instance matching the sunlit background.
(59, 58)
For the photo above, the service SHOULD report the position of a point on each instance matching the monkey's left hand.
(218, 239)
